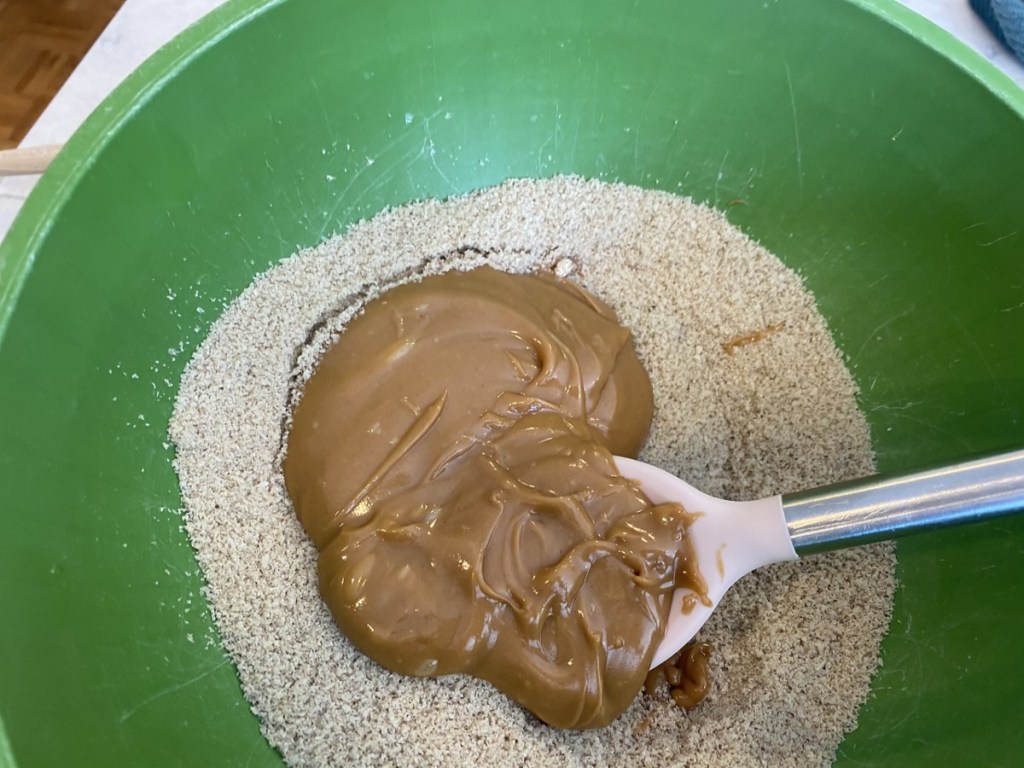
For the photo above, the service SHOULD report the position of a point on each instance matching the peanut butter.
(451, 459)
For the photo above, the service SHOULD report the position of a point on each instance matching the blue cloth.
(1006, 19)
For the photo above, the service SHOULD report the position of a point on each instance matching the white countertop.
(142, 26)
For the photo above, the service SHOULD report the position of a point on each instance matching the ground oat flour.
(751, 398)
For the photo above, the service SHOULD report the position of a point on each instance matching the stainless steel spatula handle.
(881, 507)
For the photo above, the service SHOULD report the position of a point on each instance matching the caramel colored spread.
(685, 674)
(451, 458)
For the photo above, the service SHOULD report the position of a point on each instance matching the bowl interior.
(836, 134)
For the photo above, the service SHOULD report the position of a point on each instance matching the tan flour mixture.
(795, 645)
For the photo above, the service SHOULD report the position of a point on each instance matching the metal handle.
(886, 507)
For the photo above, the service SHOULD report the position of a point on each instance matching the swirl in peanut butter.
(451, 458)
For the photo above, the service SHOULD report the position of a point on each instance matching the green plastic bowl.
(867, 149)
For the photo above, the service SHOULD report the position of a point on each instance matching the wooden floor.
(41, 42)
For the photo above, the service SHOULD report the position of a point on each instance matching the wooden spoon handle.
(27, 160)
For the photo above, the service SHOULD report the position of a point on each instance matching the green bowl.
(870, 151)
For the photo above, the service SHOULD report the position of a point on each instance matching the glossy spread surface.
(451, 459)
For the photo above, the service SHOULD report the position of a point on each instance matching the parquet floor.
(41, 42)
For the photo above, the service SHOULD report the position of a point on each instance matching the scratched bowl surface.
(867, 149)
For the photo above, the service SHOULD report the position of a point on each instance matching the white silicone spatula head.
(730, 539)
